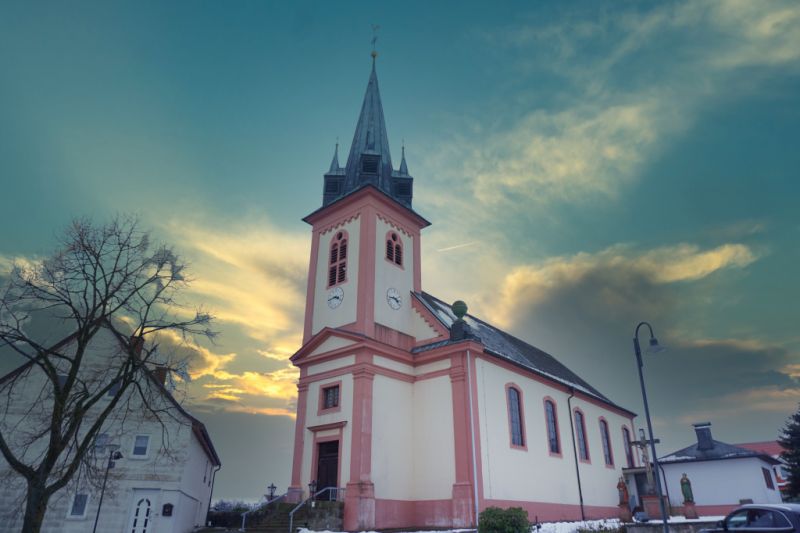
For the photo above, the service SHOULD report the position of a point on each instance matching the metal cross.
(375, 29)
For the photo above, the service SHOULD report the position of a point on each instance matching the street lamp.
(653, 348)
(113, 455)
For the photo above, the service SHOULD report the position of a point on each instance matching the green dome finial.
(459, 309)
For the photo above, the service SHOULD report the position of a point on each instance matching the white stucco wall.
(346, 312)
(175, 475)
(330, 344)
(511, 474)
(392, 431)
(722, 482)
(433, 439)
(420, 329)
(333, 364)
(390, 275)
(344, 414)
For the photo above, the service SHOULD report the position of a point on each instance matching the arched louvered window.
(626, 439)
(337, 262)
(608, 454)
(394, 248)
(553, 442)
(580, 434)
(515, 416)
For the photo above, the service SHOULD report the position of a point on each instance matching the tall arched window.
(515, 418)
(337, 264)
(626, 439)
(553, 443)
(394, 248)
(580, 434)
(608, 455)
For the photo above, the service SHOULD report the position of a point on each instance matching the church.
(412, 411)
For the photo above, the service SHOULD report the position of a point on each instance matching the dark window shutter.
(398, 254)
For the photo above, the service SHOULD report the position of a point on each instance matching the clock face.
(393, 298)
(335, 297)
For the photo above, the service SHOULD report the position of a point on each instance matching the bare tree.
(102, 278)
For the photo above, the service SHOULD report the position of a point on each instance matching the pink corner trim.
(321, 403)
(299, 435)
(524, 437)
(429, 319)
(560, 453)
(365, 306)
(311, 288)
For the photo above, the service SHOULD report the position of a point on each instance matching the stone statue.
(622, 488)
(686, 489)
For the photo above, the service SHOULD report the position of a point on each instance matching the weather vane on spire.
(375, 29)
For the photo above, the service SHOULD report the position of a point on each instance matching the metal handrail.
(333, 496)
(260, 507)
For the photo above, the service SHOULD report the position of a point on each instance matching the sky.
(585, 166)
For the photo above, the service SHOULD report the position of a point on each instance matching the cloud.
(618, 274)
(250, 276)
(604, 127)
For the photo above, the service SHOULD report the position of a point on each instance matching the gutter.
(575, 451)
(211, 493)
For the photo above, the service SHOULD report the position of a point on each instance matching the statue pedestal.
(625, 513)
(651, 507)
(689, 510)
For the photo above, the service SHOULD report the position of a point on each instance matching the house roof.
(719, 451)
(198, 428)
(505, 346)
(768, 447)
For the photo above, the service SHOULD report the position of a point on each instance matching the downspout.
(575, 451)
(472, 436)
(211, 492)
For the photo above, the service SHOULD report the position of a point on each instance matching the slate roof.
(719, 451)
(505, 346)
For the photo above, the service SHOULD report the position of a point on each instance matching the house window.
(626, 439)
(113, 390)
(330, 397)
(337, 265)
(141, 445)
(394, 249)
(580, 433)
(78, 507)
(100, 442)
(515, 417)
(768, 478)
(552, 427)
(606, 439)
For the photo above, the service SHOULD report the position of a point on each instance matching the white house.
(162, 482)
(722, 476)
(425, 415)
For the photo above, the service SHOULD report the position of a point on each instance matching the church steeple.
(369, 161)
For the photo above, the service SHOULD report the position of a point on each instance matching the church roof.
(505, 346)
(369, 161)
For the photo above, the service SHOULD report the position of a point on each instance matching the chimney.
(137, 343)
(160, 373)
(704, 440)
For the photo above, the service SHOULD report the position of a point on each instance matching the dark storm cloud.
(583, 310)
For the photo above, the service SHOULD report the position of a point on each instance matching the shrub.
(496, 520)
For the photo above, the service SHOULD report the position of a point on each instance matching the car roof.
(793, 507)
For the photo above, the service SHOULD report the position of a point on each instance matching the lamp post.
(653, 348)
(112, 456)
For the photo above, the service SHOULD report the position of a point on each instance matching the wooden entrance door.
(328, 465)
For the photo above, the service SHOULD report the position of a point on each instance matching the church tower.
(365, 259)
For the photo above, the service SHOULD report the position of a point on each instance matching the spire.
(403, 167)
(335, 162)
(370, 139)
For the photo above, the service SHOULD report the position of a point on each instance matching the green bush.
(496, 520)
